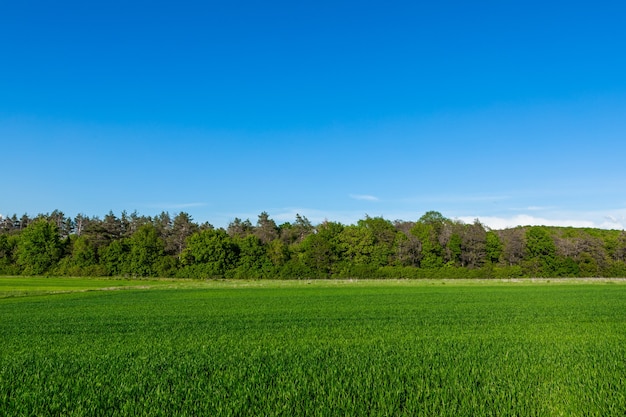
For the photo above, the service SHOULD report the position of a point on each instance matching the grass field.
(75, 347)
(20, 286)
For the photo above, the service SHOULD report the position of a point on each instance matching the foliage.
(321, 251)
(8, 244)
(146, 251)
(114, 258)
(211, 252)
(428, 233)
(540, 252)
(39, 247)
(253, 260)
(493, 247)
(174, 246)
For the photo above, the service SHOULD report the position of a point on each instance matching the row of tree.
(433, 246)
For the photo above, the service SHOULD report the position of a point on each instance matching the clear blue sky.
(513, 112)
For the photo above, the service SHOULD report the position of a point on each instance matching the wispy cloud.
(175, 206)
(532, 208)
(455, 199)
(364, 197)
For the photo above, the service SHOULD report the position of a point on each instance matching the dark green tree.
(540, 254)
(619, 253)
(8, 244)
(182, 227)
(266, 229)
(80, 222)
(454, 249)
(278, 252)
(63, 223)
(212, 253)
(296, 232)
(493, 247)
(239, 228)
(102, 232)
(163, 224)
(84, 254)
(428, 230)
(357, 245)
(321, 251)
(384, 234)
(114, 258)
(253, 261)
(24, 221)
(39, 247)
(146, 250)
(134, 222)
(433, 218)
(113, 228)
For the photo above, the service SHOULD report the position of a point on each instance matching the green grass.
(30, 286)
(317, 348)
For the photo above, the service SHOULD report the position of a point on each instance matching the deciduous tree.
(39, 247)
(428, 230)
(214, 250)
(146, 251)
(320, 251)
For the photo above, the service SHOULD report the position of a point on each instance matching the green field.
(21, 286)
(77, 347)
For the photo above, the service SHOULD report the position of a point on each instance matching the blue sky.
(513, 112)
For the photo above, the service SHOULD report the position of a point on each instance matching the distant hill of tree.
(175, 246)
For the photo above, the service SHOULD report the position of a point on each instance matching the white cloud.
(364, 197)
(537, 208)
(455, 199)
(614, 220)
(176, 206)
(583, 219)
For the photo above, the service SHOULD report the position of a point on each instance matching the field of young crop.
(21, 286)
(436, 348)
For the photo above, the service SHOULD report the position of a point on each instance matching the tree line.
(133, 245)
